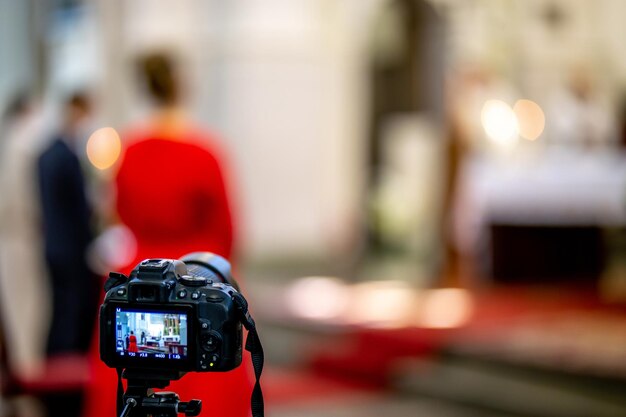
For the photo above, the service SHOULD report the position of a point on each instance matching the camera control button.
(195, 295)
(214, 297)
(204, 326)
(121, 292)
(210, 342)
(182, 294)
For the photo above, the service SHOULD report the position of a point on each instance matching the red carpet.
(504, 323)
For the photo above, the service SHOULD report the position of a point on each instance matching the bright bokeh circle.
(499, 122)
(103, 148)
(531, 119)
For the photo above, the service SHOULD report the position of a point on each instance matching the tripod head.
(141, 399)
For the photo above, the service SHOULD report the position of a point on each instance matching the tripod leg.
(130, 404)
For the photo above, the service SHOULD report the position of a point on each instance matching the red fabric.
(63, 373)
(172, 196)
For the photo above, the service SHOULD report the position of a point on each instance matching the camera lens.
(211, 266)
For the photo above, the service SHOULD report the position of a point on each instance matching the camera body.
(175, 315)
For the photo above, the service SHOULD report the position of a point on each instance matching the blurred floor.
(388, 406)
(321, 370)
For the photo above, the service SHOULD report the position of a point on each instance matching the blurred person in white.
(470, 87)
(579, 118)
(24, 285)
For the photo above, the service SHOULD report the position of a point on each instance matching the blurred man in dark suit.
(67, 235)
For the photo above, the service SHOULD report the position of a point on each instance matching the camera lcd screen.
(155, 335)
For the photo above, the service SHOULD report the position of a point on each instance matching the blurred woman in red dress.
(132, 342)
(171, 194)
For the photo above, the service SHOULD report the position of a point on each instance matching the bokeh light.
(445, 308)
(104, 147)
(499, 122)
(115, 247)
(318, 298)
(381, 304)
(531, 119)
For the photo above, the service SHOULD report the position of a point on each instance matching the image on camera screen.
(151, 334)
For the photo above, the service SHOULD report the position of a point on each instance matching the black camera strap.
(253, 345)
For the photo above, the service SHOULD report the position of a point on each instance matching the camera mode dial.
(192, 281)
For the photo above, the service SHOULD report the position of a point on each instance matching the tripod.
(142, 401)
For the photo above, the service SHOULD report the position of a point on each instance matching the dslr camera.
(172, 315)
